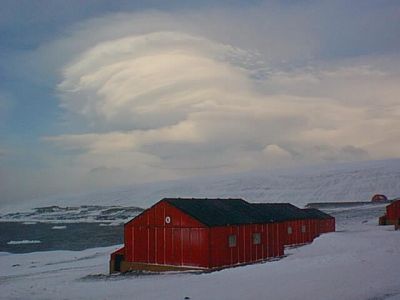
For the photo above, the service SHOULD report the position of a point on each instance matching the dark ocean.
(74, 236)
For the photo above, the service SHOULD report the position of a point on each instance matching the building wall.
(294, 233)
(313, 229)
(327, 225)
(165, 235)
(245, 250)
(393, 211)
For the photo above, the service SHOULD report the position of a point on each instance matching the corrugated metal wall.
(327, 225)
(164, 235)
(393, 210)
(298, 232)
(245, 250)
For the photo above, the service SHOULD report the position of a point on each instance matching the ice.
(59, 227)
(110, 224)
(29, 223)
(23, 242)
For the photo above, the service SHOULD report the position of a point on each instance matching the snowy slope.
(334, 182)
(359, 262)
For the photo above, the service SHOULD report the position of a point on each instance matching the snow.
(23, 242)
(59, 227)
(360, 261)
(110, 224)
(29, 223)
(356, 181)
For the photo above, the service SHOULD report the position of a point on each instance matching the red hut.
(393, 211)
(392, 215)
(179, 234)
(379, 198)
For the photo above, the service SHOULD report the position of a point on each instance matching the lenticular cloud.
(153, 80)
(167, 94)
(176, 101)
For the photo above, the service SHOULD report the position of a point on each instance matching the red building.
(392, 215)
(180, 234)
(300, 226)
(379, 198)
(324, 222)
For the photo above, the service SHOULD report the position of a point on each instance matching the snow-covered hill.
(334, 182)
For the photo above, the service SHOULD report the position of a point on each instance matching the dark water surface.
(76, 236)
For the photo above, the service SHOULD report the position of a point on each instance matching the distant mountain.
(334, 182)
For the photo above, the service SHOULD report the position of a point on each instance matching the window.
(232, 241)
(303, 228)
(256, 238)
(289, 230)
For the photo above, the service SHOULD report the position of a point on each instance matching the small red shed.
(179, 234)
(393, 212)
(379, 198)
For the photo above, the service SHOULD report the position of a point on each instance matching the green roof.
(316, 213)
(222, 212)
(281, 211)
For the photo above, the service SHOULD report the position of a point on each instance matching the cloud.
(3, 153)
(151, 80)
(161, 100)
(6, 106)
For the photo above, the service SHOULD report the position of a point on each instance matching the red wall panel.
(170, 246)
(393, 210)
(139, 254)
(245, 250)
(177, 240)
(297, 236)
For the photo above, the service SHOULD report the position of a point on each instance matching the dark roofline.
(316, 213)
(282, 211)
(216, 212)
(169, 200)
(394, 202)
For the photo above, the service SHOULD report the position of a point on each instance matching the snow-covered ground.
(24, 242)
(359, 261)
(325, 183)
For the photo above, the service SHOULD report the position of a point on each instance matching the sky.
(99, 94)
